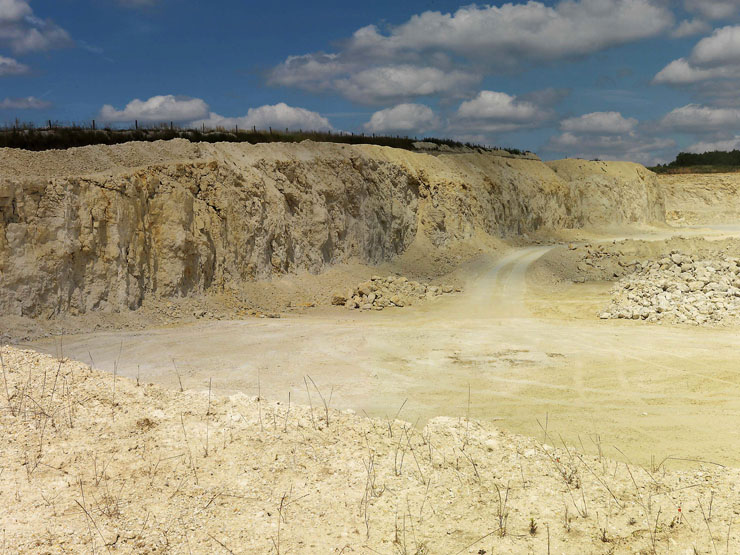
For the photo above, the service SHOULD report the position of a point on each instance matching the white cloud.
(714, 57)
(444, 54)
(609, 136)
(9, 66)
(495, 112)
(690, 27)
(22, 31)
(512, 33)
(383, 84)
(713, 9)
(14, 10)
(710, 146)
(157, 109)
(630, 146)
(369, 84)
(681, 72)
(195, 112)
(694, 118)
(497, 105)
(721, 47)
(310, 72)
(404, 117)
(27, 103)
(279, 116)
(604, 123)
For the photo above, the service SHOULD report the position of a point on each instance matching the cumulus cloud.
(720, 48)
(278, 116)
(701, 147)
(494, 112)
(713, 9)
(370, 84)
(403, 118)
(630, 146)
(23, 32)
(514, 33)
(27, 103)
(9, 66)
(310, 71)
(157, 109)
(389, 83)
(609, 136)
(690, 27)
(14, 10)
(444, 54)
(681, 72)
(714, 57)
(195, 112)
(604, 123)
(694, 118)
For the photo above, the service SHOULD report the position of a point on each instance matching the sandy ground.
(523, 356)
(94, 463)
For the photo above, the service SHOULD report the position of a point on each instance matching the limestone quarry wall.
(702, 198)
(100, 228)
(611, 193)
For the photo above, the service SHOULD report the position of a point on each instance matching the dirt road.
(649, 390)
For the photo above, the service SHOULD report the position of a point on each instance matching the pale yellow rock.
(102, 228)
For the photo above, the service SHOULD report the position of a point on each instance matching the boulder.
(338, 299)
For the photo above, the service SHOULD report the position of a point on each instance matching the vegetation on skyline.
(27, 136)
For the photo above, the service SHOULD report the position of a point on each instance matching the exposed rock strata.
(612, 193)
(702, 198)
(100, 228)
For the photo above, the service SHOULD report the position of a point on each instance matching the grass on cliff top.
(31, 137)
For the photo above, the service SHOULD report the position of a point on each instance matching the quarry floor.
(508, 349)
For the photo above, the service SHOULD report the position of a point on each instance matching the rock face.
(392, 291)
(101, 228)
(680, 288)
(611, 193)
(702, 198)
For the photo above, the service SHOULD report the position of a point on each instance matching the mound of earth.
(679, 288)
(393, 291)
(92, 462)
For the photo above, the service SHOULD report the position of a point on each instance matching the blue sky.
(613, 79)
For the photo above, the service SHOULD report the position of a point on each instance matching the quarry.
(318, 347)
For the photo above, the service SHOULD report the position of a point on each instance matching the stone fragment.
(679, 288)
(392, 291)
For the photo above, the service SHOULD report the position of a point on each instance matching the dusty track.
(650, 390)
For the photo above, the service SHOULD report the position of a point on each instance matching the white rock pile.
(392, 291)
(679, 288)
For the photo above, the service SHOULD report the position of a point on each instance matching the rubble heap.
(392, 291)
(679, 288)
